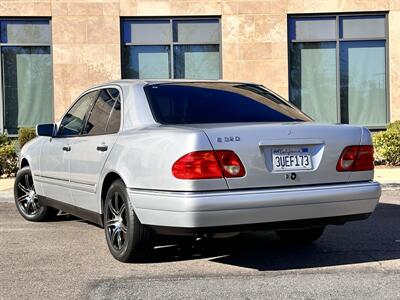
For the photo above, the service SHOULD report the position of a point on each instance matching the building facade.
(338, 60)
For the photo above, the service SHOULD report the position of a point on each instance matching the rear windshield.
(218, 102)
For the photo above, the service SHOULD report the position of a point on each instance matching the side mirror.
(46, 130)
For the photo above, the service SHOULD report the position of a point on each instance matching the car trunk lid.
(284, 154)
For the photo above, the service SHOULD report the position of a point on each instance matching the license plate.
(291, 159)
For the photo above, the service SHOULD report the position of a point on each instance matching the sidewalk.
(6, 184)
(6, 190)
(388, 177)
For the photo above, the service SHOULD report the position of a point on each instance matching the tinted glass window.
(115, 117)
(98, 117)
(191, 103)
(338, 68)
(73, 121)
(26, 73)
(25, 31)
(27, 86)
(171, 48)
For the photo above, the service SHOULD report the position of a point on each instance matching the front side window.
(218, 102)
(74, 120)
(171, 48)
(338, 68)
(26, 85)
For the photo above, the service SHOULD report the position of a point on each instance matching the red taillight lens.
(347, 159)
(356, 158)
(208, 165)
(197, 165)
(230, 163)
(365, 159)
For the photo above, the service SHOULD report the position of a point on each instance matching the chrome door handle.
(102, 148)
(66, 148)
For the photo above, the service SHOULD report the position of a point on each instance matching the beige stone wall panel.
(255, 7)
(86, 37)
(59, 8)
(111, 9)
(270, 28)
(153, 8)
(231, 70)
(127, 8)
(102, 30)
(230, 51)
(230, 7)
(252, 51)
(199, 8)
(230, 29)
(394, 4)
(69, 30)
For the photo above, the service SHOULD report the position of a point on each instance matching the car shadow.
(65, 217)
(374, 239)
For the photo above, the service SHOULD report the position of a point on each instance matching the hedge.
(8, 156)
(9, 148)
(387, 145)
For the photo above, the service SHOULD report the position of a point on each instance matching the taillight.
(347, 159)
(230, 163)
(365, 159)
(356, 158)
(197, 165)
(208, 165)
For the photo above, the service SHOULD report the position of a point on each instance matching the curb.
(390, 186)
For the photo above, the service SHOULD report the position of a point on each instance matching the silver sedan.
(195, 158)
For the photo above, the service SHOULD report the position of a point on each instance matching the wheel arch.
(24, 162)
(109, 178)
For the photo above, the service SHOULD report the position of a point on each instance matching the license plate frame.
(291, 159)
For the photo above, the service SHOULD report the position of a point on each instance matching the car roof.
(130, 82)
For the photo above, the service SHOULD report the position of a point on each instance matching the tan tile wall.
(86, 37)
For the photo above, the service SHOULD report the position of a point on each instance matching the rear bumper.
(339, 202)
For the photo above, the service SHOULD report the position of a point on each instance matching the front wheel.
(300, 236)
(26, 199)
(127, 239)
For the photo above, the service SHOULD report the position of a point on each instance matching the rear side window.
(103, 118)
(73, 121)
(114, 120)
(215, 102)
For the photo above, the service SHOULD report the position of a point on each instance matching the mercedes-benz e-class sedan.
(192, 158)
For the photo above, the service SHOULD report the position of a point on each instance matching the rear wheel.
(127, 239)
(26, 199)
(300, 236)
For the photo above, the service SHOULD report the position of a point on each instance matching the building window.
(338, 68)
(26, 83)
(171, 48)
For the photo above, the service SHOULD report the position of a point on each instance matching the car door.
(56, 152)
(90, 151)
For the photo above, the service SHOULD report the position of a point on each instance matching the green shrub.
(8, 159)
(387, 145)
(25, 135)
(4, 139)
(8, 156)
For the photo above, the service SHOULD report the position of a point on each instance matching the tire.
(127, 239)
(300, 236)
(26, 199)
